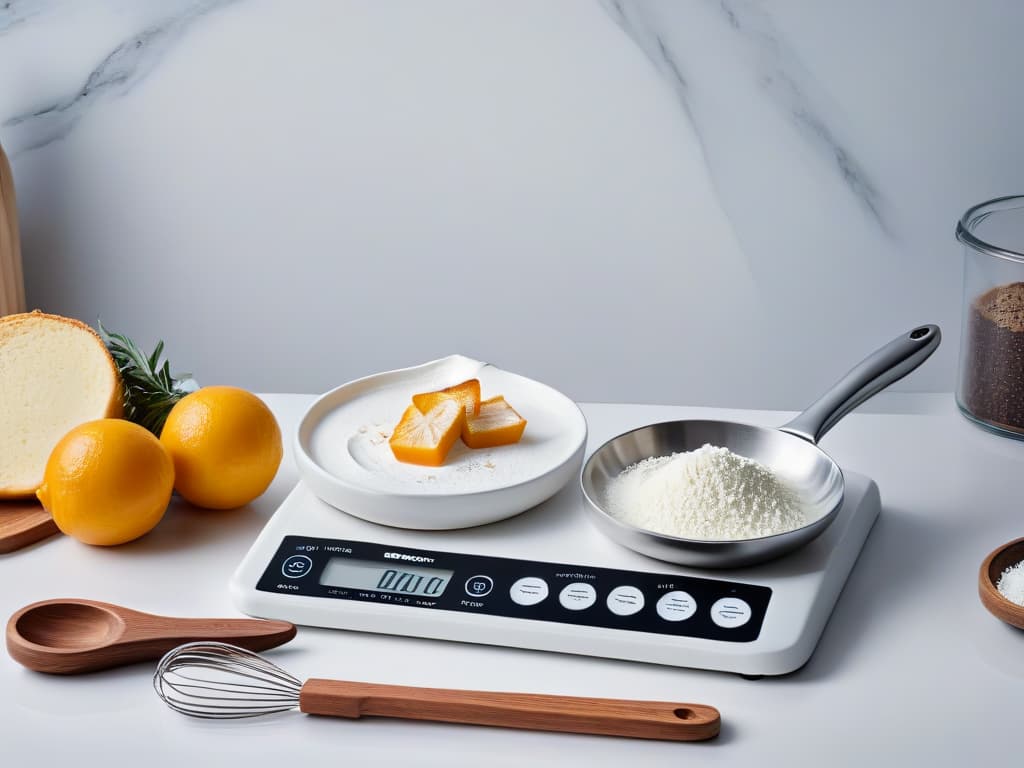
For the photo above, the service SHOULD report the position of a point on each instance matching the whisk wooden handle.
(569, 714)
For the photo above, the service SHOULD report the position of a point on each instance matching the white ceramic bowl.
(343, 454)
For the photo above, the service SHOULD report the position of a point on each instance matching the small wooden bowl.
(993, 567)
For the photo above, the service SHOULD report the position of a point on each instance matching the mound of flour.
(710, 493)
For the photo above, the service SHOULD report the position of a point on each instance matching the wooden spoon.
(68, 636)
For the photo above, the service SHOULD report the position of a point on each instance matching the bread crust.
(10, 326)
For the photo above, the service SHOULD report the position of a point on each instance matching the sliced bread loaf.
(55, 373)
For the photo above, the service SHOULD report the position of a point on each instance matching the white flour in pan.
(710, 493)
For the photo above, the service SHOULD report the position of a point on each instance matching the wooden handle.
(148, 636)
(532, 711)
(12, 284)
(166, 631)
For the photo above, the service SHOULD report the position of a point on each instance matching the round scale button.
(625, 600)
(529, 590)
(296, 566)
(480, 585)
(676, 606)
(730, 612)
(577, 596)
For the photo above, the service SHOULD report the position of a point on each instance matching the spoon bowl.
(69, 636)
(69, 626)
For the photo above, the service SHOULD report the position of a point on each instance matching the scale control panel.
(667, 604)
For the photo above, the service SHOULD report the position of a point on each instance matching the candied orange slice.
(426, 438)
(467, 393)
(497, 423)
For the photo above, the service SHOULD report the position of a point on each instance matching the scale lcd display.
(381, 577)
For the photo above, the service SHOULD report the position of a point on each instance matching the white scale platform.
(804, 585)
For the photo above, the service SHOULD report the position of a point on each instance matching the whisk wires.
(220, 681)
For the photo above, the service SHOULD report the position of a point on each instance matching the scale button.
(676, 606)
(625, 600)
(296, 566)
(529, 590)
(730, 612)
(478, 586)
(577, 596)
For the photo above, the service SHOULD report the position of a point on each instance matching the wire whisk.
(223, 682)
(220, 682)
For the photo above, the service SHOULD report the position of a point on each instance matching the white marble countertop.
(910, 667)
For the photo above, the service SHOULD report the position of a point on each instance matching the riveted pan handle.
(869, 377)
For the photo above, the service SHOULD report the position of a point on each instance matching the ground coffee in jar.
(992, 386)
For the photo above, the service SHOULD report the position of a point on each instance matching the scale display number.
(369, 574)
(636, 601)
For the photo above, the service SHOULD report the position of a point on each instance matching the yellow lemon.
(107, 482)
(225, 444)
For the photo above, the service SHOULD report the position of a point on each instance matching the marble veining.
(16, 12)
(780, 75)
(120, 71)
(770, 63)
(703, 202)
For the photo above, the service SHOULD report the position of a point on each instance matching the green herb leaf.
(150, 391)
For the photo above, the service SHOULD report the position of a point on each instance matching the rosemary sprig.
(150, 391)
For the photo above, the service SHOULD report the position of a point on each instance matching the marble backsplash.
(720, 202)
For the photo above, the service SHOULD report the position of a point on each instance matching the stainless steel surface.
(789, 451)
(219, 681)
(869, 377)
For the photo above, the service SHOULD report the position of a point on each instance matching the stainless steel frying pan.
(791, 451)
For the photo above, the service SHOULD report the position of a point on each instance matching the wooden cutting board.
(12, 284)
(22, 523)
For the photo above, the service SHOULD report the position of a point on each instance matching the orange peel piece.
(467, 393)
(426, 438)
(496, 423)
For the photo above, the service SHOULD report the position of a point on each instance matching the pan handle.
(865, 380)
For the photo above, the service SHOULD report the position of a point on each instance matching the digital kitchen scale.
(549, 580)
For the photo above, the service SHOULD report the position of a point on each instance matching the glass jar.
(990, 390)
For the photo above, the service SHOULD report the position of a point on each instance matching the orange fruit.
(107, 482)
(426, 438)
(225, 444)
